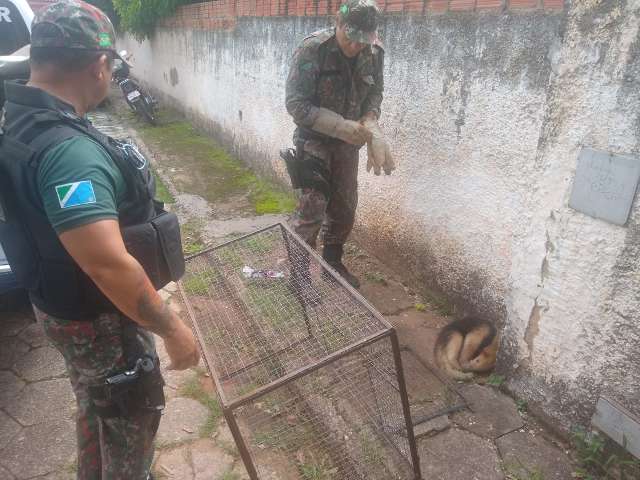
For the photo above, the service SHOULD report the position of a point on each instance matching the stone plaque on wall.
(605, 185)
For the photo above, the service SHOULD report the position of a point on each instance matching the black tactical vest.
(35, 122)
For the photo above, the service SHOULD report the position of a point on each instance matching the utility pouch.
(157, 245)
(167, 227)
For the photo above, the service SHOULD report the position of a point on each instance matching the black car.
(15, 25)
(15, 35)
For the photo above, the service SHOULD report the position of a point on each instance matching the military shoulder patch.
(76, 193)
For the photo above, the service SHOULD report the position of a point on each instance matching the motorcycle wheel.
(145, 108)
(131, 105)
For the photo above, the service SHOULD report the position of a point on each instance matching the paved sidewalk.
(489, 440)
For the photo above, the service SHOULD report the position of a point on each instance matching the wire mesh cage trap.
(309, 375)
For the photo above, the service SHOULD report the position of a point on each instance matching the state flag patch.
(76, 193)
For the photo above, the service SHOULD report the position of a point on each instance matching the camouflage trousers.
(117, 448)
(329, 197)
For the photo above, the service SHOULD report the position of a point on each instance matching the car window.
(15, 24)
(3, 257)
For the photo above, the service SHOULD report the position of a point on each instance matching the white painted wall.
(486, 115)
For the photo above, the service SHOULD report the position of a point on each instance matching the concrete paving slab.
(413, 334)
(39, 364)
(423, 387)
(59, 475)
(14, 322)
(36, 400)
(223, 439)
(240, 471)
(492, 413)
(11, 349)
(525, 454)
(389, 297)
(10, 387)
(181, 421)
(9, 428)
(5, 474)
(174, 380)
(459, 455)
(175, 464)
(164, 295)
(432, 427)
(209, 461)
(34, 336)
(41, 449)
(424, 319)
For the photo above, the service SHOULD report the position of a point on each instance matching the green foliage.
(600, 460)
(517, 471)
(229, 475)
(199, 283)
(217, 176)
(267, 438)
(522, 406)
(312, 472)
(162, 192)
(141, 17)
(375, 277)
(439, 302)
(193, 389)
(495, 380)
(191, 238)
(107, 7)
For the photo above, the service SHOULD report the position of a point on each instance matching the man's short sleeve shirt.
(79, 184)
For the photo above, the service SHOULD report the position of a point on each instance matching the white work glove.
(378, 151)
(336, 126)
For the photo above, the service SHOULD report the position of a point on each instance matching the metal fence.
(309, 375)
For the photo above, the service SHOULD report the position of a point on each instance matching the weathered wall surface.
(486, 113)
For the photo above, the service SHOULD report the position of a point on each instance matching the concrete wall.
(486, 113)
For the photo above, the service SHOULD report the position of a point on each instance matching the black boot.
(332, 254)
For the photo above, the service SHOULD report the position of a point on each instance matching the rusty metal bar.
(259, 392)
(242, 446)
(223, 244)
(415, 459)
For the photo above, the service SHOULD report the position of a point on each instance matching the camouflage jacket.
(321, 76)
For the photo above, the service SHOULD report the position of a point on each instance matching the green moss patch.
(204, 168)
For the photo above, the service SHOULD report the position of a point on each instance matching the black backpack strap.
(49, 138)
(53, 128)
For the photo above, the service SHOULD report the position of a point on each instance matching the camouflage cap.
(360, 18)
(73, 24)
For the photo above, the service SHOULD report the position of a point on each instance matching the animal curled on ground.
(467, 346)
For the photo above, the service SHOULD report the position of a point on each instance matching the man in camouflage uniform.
(334, 92)
(75, 197)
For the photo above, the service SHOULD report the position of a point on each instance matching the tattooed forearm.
(156, 314)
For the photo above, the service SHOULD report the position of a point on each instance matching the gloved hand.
(336, 126)
(378, 151)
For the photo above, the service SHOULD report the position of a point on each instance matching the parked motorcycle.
(139, 101)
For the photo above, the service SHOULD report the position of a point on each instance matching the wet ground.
(486, 435)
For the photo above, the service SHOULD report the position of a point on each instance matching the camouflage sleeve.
(301, 85)
(373, 101)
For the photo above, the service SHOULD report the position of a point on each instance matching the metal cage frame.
(387, 333)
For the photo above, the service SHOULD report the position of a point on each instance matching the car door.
(15, 25)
